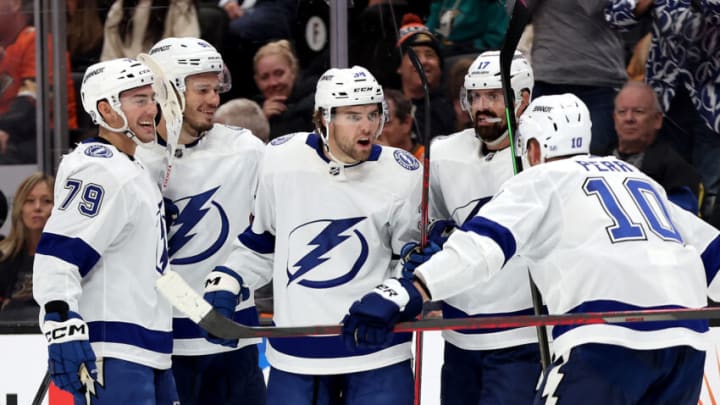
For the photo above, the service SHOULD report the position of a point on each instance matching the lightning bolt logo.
(183, 223)
(330, 237)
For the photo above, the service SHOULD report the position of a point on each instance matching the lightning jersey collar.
(314, 141)
(162, 142)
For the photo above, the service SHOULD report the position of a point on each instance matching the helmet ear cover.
(560, 124)
(106, 81)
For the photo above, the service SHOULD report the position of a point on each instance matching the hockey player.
(209, 198)
(466, 169)
(599, 236)
(332, 211)
(102, 250)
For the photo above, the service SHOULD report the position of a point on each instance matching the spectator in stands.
(455, 82)
(397, 131)
(683, 67)
(254, 23)
(413, 34)
(287, 98)
(638, 119)
(244, 113)
(574, 50)
(30, 211)
(18, 86)
(133, 26)
(468, 26)
(84, 33)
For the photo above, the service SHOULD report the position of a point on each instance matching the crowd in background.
(275, 51)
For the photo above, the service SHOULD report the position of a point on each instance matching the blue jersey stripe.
(498, 233)
(608, 305)
(131, 334)
(451, 312)
(711, 259)
(71, 250)
(184, 328)
(263, 243)
(326, 347)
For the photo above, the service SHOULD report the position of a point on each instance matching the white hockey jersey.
(209, 199)
(599, 235)
(102, 250)
(325, 240)
(463, 179)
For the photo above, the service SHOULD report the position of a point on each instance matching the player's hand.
(69, 351)
(233, 10)
(412, 256)
(224, 290)
(370, 323)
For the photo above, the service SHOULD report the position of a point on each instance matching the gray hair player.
(208, 199)
(102, 250)
(599, 236)
(332, 211)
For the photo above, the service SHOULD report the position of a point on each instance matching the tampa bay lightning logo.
(99, 151)
(333, 256)
(406, 160)
(183, 216)
(281, 140)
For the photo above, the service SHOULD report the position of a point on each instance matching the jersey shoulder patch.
(406, 159)
(98, 151)
(281, 139)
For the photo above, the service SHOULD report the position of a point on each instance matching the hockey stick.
(42, 390)
(518, 21)
(171, 108)
(423, 203)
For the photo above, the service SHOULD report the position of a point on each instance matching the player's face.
(430, 62)
(202, 99)
(637, 120)
(352, 130)
(37, 206)
(274, 77)
(488, 111)
(140, 109)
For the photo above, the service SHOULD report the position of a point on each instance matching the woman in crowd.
(30, 211)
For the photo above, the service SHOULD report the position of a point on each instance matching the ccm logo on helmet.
(361, 89)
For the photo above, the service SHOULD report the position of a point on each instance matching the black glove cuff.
(61, 307)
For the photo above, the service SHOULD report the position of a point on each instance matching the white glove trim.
(393, 291)
(219, 281)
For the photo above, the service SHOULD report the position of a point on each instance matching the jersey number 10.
(648, 202)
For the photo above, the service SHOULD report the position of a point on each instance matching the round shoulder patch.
(100, 151)
(281, 139)
(406, 160)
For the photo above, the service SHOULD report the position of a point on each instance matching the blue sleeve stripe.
(493, 230)
(72, 250)
(184, 328)
(711, 259)
(700, 325)
(326, 347)
(131, 334)
(450, 312)
(263, 243)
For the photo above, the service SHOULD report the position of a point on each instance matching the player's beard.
(489, 133)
